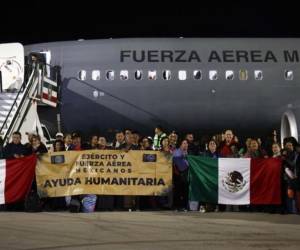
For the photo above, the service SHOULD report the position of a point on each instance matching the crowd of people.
(225, 144)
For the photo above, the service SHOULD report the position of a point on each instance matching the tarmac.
(149, 230)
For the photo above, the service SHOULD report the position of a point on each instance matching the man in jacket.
(15, 149)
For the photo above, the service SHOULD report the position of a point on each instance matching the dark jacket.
(193, 149)
(42, 149)
(209, 154)
(297, 172)
(292, 162)
(128, 147)
(11, 149)
(120, 145)
(88, 146)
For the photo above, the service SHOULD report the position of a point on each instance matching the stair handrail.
(25, 87)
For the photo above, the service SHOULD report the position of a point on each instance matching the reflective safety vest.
(157, 141)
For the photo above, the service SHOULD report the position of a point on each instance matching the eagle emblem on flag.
(234, 182)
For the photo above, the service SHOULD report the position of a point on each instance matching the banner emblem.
(234, 182)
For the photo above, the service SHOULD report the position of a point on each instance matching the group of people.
(225, 144)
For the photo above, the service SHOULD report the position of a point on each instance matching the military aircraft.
(206, 85)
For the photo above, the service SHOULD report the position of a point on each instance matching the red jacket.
(225, 149)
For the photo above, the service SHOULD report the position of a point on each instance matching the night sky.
(86, 20)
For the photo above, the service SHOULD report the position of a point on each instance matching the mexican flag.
(49, 95)
(235, 181)
(16, 178)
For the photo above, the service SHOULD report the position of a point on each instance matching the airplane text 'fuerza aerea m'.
(243, 56)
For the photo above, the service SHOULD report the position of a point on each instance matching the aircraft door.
(47, 55)
(11, 66)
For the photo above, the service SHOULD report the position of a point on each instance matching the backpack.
(89, 203)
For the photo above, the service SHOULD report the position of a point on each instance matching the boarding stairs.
(14, 107)
(8, 107)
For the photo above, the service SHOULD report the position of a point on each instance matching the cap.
(59, 134)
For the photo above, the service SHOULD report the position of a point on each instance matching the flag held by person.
(16, 178)
(235, 181)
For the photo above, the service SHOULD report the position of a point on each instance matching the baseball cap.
(59, 134)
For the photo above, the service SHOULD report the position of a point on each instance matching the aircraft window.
(82, 75)
(258, 74)
(124, 75)
(110, 75)
(152, 74)
(229, 75)
(182, 75)
(243, 74)
(288, 75)
(213, 75)
(166, 75)
(197, 74)
(138, 75)
(95, 94)
(96, 75)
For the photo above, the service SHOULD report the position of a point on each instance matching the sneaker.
(181, 210)
(202, 209)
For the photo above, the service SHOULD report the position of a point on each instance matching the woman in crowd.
(268, 142)
(225, 148)
(234, 152)
(165, 146)
(37, 146)
(56, 203)
(93, 144)
(33, 202)
(211, 152)
(180, 176)
(255, 151)
(104, 202)
(145, 144)
(162, 201)
(76, 142)
(102, 143)
(173, 137)
(276, 150)
(59, 146)
(291, 167)
(244, 150)
(276, 153)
